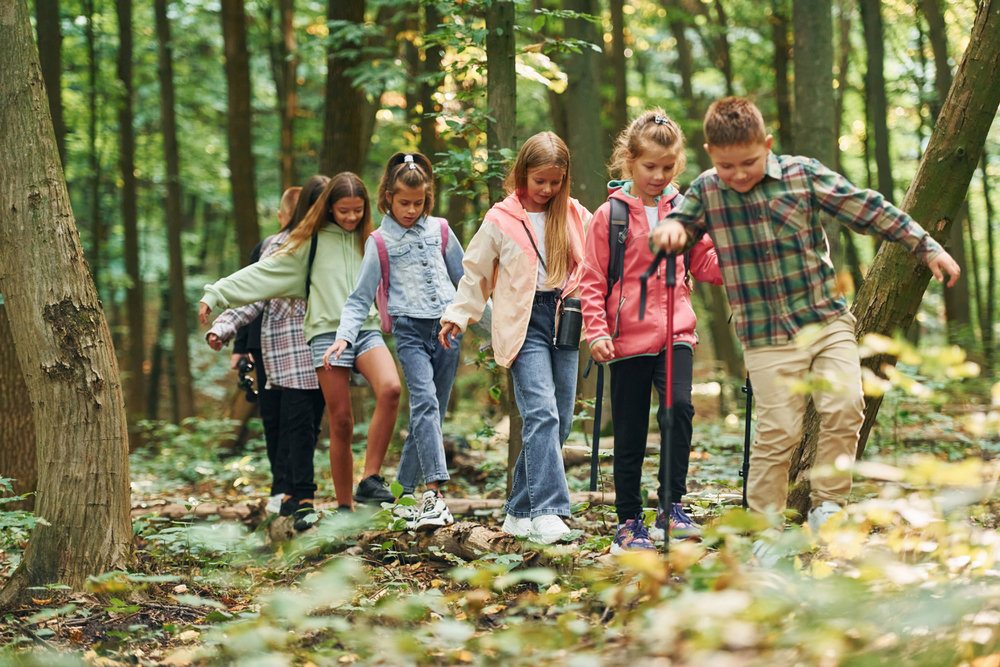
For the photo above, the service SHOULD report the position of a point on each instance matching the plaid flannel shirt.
(287, 358)
(773, 252)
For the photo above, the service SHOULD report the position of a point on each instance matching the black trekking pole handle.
(671, 277)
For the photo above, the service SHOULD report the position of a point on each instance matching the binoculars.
(243, 367)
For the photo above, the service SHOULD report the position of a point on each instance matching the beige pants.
(833, 354)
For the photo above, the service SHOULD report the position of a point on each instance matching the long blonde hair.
(652, 127)
(542, 151)
(318, 196)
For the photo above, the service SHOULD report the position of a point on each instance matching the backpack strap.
(617, 233)
(444, 235)
(313, 242)
(383, 257)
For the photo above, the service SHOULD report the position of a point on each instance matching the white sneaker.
(820, 515)
(433, 511)
(409, 513)
(516, 527)
(547, 529)
(273, 505)
(766, 550)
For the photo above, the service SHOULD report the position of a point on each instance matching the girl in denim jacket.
(528, 254)
(422, 277)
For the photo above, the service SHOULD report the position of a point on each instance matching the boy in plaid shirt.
(762, 212)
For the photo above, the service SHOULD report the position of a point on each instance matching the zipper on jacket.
(618, 316)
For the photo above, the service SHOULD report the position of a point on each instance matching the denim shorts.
(368, 339)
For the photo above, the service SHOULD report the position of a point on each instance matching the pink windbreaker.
(501, 261)
(648, 336)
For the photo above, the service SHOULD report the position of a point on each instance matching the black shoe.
(303, 517)
(289, 506)
(373, 490)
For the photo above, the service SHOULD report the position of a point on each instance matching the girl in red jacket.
(649, 153)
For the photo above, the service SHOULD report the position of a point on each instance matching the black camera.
(243, 367)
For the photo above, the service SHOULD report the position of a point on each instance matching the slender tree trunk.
(938, 34)
(889, 298)
(813, 119)
(61, 340)
(583, 127)
(619, 116)
(284, 68)
(782, 96)
(844, 9)
(49, 27)
(871, 17)
(242, 176)
(18, 458)
(557, 101)
(988, 315)
(134, 293)
(345, 103)
(723, 60)
(178, 302)
(430, 142)
(96, 223)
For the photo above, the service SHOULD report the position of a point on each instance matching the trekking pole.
(596, 441)
(745, 471)
(668, 394)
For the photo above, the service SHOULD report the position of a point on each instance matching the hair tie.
(660, 120)
(409, 159)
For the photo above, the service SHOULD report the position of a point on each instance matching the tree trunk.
(813, 119)
(782, 96)
(18, 459)
(583, 126)
(49, 25)
(844, 9)
(722, 58)
(501, 89)
(242, 177)
(896, 281)
(430, 142)
(61, 340)
(178, 303)
(871, 18)
(96, 223)
(557, 101)
(619, 116)
(988, 316)
(284, 68)
(134, 299)
(937, 32)
(345, 103)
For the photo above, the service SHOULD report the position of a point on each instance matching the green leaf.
(396, 488)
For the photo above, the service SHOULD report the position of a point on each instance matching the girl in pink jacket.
(528, 254)
(650, 152)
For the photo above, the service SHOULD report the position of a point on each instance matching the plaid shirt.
(287, 358)
(773, 252)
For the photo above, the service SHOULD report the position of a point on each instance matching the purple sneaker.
(632, 536)
(681, 525)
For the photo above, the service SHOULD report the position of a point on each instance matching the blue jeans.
(429, 370)
(545, 390)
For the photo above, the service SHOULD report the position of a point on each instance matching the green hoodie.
(283, 274)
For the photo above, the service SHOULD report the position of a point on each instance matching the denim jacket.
(421, 281)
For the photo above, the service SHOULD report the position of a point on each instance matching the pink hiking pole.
(668, 394)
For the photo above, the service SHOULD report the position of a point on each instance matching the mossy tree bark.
(61, 339)
(888, 299)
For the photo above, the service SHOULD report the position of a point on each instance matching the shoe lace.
(429, 503)
(678, 514)
(639, 531)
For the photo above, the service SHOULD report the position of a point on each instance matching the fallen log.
(465, 539)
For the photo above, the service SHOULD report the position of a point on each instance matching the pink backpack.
(382, 294)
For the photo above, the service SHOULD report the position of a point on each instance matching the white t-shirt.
(652, 216)
(538, 222)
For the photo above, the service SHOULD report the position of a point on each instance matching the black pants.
(632, 381)
(291, 427)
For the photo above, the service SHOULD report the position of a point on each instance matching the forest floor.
(906, 576)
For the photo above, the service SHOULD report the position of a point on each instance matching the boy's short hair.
(289, 200)
(734, 121)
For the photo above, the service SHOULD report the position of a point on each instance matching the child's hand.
(234, 361)
(448, 332)
(203, 312)
(944, 262)
(670, 236)
(216, 343)
(336, 350)
(602, 351)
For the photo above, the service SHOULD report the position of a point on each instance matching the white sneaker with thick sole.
(433, 511)
(274, 503)
(547, 529)
(516, 527)
(408, 513)
(766, 550)
(820, 515)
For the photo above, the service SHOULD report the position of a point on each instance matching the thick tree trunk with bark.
(889, 298)
(134, 293)
(178, 303)
(345, 103)
(61, 339)
(583, 125)
(242, 176)
(18, 460)
(49, 27)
